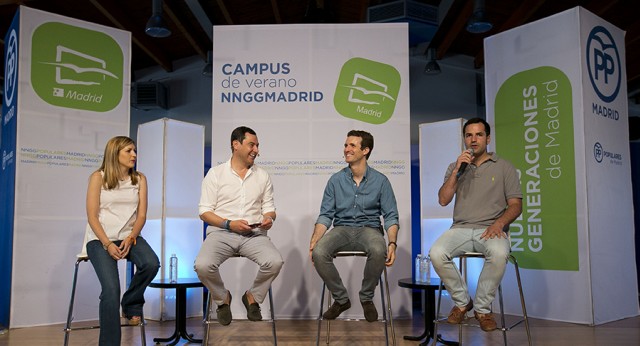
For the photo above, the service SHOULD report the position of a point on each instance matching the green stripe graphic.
(534, 120)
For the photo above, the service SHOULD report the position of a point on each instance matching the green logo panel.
(367, 91)
(534, 119)
(76, 68)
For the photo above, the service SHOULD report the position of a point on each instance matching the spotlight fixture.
(478, 23)
(432, 67)
(207, 70)
(156, 27)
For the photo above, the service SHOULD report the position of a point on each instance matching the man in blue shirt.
(354, 200)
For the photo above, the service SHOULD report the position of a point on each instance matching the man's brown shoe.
(487, 322)
(456, 316)
(134, 320)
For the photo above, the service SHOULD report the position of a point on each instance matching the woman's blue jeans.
(147, 265)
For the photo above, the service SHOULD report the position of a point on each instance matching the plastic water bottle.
(173, 268)
(423, 268)
(418, 268)
(426, 269)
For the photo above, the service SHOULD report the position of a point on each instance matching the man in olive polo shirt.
(488, 198)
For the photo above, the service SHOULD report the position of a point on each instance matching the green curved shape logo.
(77, 68)
(534, 123)
(367, 90)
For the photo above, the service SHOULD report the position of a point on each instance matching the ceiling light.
(156, 27)
(478, 23)
(432, 67)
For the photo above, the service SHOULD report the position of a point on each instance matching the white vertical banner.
(302, 88)
(441, 143)
(559, 108)
(73, 96)
(606, 152)
(171, 155)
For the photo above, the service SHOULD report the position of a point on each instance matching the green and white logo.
(76, 68)
(367, 91)
(534, 130)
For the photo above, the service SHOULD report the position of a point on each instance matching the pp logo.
(367, 91)
(76, 67)
(603, 63)
(11, 68)
(598, 152)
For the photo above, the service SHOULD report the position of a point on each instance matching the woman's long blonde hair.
(111, 165)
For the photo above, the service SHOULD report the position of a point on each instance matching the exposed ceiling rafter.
(121, 21)
(186, 32)
(521, 15)
(451, 27)
(225, 12)
(201, 16)
(276, 11)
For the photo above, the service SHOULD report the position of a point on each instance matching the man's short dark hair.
(487, 128)
(367, 140)
(239, 134)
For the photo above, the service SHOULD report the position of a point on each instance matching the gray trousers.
(343, 238)
(220, 245)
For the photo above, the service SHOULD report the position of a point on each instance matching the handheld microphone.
(463, 165)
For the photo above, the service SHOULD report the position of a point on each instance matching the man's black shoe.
(335, 310)
(253, 310)
(224, 313)
(370, 312)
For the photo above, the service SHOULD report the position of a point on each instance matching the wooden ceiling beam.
(225, 12)
(364, 8)
(521, 15)
(633, 33)
(451, 27)
(599, 7)
(633, 69)
(186, 32)
(13, 2)
(121, 21)
(276, 11)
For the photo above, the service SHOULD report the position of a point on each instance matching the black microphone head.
(463, 165)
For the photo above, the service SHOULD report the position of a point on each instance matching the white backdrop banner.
(302, 88)
(559, 106)
(73, 88)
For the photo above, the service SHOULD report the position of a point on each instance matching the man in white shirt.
(237, 204)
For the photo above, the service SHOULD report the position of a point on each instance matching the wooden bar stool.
(386, 309)
(67, 326)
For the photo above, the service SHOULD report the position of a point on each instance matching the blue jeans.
(455, 242)
(147, 265)
(342, 238)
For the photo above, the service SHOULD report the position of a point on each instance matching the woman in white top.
(116, 213)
